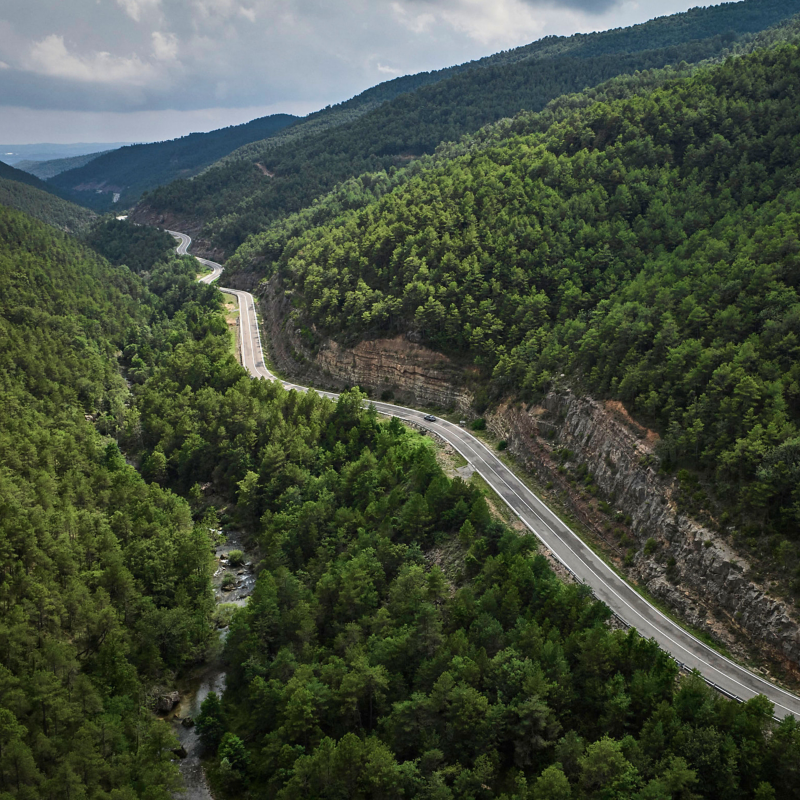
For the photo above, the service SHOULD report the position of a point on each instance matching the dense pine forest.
(636, 241)
(27, 193)
(236, 198)
(361, 668)
(45, 206)
(400, 641)
(105, 582)
(645, 245)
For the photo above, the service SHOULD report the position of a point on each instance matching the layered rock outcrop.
(708, 584)
(413, 373)
(692, 569)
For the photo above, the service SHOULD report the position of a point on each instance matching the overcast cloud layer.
(74, 70)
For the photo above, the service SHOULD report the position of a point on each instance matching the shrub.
(236, 558)
(479, 424)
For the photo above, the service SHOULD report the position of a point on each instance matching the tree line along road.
(625, 602)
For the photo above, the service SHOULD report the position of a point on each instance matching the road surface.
(627, 604)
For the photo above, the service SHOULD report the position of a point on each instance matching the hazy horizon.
(150, 70)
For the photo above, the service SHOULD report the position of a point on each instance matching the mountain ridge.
(119, 177)
(230, 200)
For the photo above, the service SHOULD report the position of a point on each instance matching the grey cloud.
(152, 55)
(589, 6)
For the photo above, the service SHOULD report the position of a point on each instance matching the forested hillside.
(138, 247)
(105, 581)
(646, 247)
(251, 189)
(361, 668)
(129, 171)
(55, 166)
(45, 206)
(14, 174)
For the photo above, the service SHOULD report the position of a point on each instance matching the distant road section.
(627, 604)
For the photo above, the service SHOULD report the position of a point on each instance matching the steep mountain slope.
(102, 574)
(14, 174)
(45, 206)
(51, 168)
(259, 184)
(27, 193)
(646, 247)
(130, 171)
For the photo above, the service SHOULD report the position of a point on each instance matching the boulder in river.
(180, 751)
(166, 702)
(187, 722)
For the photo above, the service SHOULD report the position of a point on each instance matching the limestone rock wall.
(714, 589)
(413, 373)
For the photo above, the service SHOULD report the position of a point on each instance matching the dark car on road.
(429, 418)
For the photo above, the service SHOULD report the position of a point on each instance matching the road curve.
(627, 604)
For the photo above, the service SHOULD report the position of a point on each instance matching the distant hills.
(395, 123)
(13, 174)
(27, 193)
(117, 179)
(13, 154)
(55, 166)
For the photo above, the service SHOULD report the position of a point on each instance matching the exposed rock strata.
(415, 374)
(714, 590)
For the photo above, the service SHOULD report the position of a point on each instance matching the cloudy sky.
(142, 70)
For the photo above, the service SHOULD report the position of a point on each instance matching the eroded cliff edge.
(708, 584)
(633, 511)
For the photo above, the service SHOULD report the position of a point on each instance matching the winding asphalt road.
(629, 606)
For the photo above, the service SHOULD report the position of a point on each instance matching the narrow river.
(208, 677)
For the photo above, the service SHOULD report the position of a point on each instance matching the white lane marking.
(613, 591)
(471, 441)
(703, 646)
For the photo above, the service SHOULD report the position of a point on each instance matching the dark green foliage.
(45, 206)
(235, 198)
(209, 723)
(27, 193)
(136, 246)
(129, 171)
(10, 173)
(647, 246)
(359, 669)
(104, 579)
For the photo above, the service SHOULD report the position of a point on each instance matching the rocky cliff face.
(414, 374)
(707, 584)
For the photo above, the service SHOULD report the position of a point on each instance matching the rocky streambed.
(233, 585)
